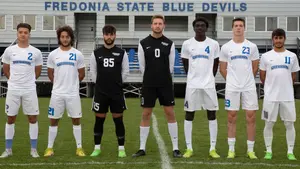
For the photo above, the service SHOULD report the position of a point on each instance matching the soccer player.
(239, 60)
(200, 59)
(22, 65)
(156, 54)
(65, 69)
(109, 68)
(278, 69)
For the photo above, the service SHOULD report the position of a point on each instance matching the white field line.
(165, 159)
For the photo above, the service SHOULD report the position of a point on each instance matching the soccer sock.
(77, 135)
(268, 135)
(250, 145)
(173, 131)
(120, 130)
(144, 132)
(52, 135)
(98, 131)
(213, 131)
(33, 133)
(231, 143)
(188, 128)
(290, 135)
(9, 135)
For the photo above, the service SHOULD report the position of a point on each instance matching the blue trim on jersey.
(21, 62)
(65, 63)
(200, 56)
(279, 67)
(239, 57)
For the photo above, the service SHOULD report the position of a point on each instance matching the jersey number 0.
(157, 52)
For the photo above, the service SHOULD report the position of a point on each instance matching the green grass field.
(65, 147)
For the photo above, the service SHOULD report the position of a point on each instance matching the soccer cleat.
(96, 152)
(251, 155)
(6, 154)
(80, 152)
(268, 156)
(139, 153)
(34, 153)
(122, 153)
(231, 154)
(214, 154)
(188, 153)
(177, 154)
(49, 152)
(291, 156)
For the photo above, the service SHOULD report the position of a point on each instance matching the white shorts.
(233, 99)
(58, 104)
(286, 109)
(28, 99)
(198, 99)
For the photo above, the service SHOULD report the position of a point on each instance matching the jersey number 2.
(30, 56)
(72, 56)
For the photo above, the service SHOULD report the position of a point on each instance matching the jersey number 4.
(207, 50)
(72, 56)
(108, 62)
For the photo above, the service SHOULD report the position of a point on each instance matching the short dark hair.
(158, 17)
(67, 29)
(109, 29)
(24, 25)
(239, 19)
(200, 19)
(278, 32)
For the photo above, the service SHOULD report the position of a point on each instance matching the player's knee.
(32, 119)
(101, 115)
(54, 122)
(11, 119)
(118, 120)
(117, 115)
(269, 124)
(289, 125)
(211, 115)
(250, 117)
(189, 115)
(76, 121)
(231, 117)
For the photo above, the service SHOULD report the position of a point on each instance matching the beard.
(109, 41)
(279, 46)
(67, 45)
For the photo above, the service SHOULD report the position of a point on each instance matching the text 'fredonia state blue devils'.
(146, 6)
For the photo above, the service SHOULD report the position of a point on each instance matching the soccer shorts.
(102, 102)
(198, 99)
(286, 109)
(165, 96)
(58, 104)
(233, 99)
(28, 99)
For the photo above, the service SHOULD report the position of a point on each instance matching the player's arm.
(295, 69)
(216, 58)
(255, 60)
(50, 65)
(141, 58)
(172, 58)
(38, 64)
(125, 67)
(38, 70)
(262, 75)
(262, 70)
(185, 57)
(223, 57)
(51, 74)
(81, 73)
(6, 70)
(6, 63)
(93, 67)
(81, 67)
(185, 63)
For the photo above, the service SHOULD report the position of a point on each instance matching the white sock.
(144, 132)
(213, 131)
(268, 135)
(250, 145)
(173, 131)
(52, 135)
(33, 130)
(77, 135)
(121, 148)
(97, 147)
(9, 135)
(188, 128)
(290, 136)
(231, 143)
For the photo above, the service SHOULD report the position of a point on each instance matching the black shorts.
(102, 102)
(165, 96)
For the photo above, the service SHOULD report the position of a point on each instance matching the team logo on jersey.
(14, 54)
(164, 43)
(266, 114)
(116, 54)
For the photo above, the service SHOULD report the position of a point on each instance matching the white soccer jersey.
(201, 57)
(66, 65)
(279, 67)
(239, 57)
(22, 66)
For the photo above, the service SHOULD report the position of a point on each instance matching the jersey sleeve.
(141, 58)
(172, 57)
(125, 67)
(255, 54)
(223, 56)
(6, 56)
(50, 62)
(184, 51)
(93, 67)
(262, 65)
(39, 58)
(295, 67)
(80, 62)
(217, 50)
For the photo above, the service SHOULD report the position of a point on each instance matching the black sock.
(120, 130)
(98, 130)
